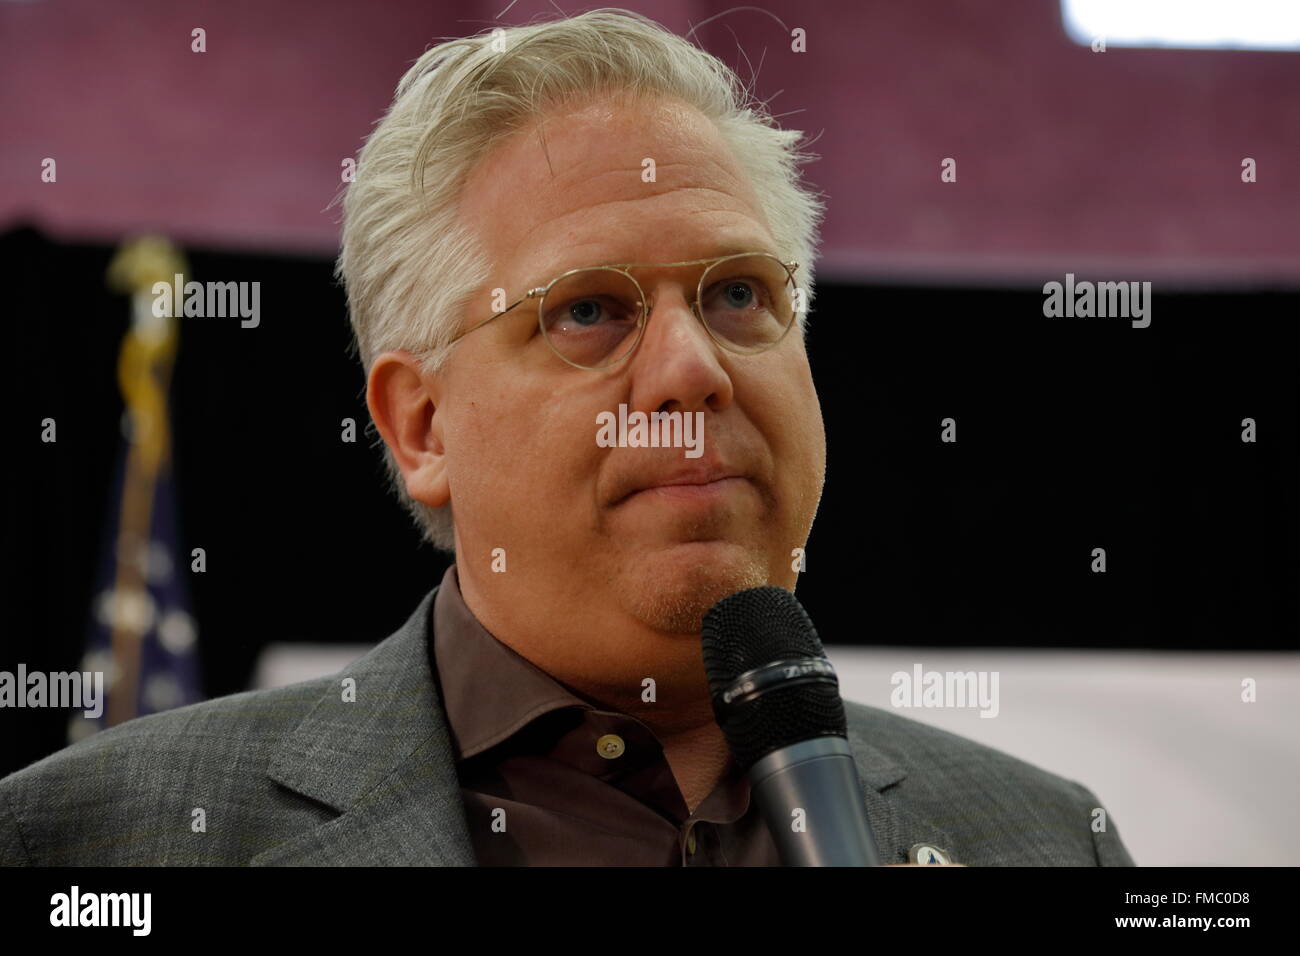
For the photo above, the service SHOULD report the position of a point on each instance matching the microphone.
(777, 699)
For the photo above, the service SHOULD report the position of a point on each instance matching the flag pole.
(144, 369)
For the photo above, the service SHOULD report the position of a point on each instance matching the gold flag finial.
(142, 261)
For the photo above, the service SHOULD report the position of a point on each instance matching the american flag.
(142, 634)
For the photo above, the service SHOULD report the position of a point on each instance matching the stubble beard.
(677, 603)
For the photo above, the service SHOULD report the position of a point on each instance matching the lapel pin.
(928, 853)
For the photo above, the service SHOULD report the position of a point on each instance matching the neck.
(699, 759)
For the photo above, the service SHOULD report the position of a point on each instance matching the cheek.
(814, 427)
(519, 456)
(792, 424)
(810, 426)
(793, 414)
(478, 431)
(805, 448)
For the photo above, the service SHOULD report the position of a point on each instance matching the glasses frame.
(646, 306)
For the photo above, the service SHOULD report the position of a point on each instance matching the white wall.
(1190, 773)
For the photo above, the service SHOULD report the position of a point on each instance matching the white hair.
(407, 263)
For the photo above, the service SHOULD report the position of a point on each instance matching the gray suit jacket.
(298, 775)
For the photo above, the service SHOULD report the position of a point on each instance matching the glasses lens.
(747, 302)
(592, 317)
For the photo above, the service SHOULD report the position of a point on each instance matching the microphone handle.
(819, 777)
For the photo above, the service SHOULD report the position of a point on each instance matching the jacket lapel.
(895, 828)
(384, 761)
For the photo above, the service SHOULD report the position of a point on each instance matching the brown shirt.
(549, 780)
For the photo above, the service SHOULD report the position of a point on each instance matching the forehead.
(571, 189)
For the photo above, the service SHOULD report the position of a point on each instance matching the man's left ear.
(403, 401)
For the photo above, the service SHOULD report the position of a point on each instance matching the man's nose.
(671, 320)
(677, 361)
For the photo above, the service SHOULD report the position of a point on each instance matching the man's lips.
(691, 484)
(694, 492)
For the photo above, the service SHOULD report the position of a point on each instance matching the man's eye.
(578, 315)
(584, 312)
(737, 294)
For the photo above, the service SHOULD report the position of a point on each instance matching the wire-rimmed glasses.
(594, 317)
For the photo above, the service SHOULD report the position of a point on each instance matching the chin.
(670, 589)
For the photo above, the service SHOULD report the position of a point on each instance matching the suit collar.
(384, 760)
(895, 828)
(386, 763)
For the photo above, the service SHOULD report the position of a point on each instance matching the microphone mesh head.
(747, 630)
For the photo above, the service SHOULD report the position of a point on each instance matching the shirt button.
(690, 841)
(610, 746)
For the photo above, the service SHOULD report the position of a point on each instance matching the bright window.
(1194, 24)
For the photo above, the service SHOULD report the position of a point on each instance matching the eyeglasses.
(594, 317)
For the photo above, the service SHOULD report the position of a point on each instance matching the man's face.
(519, 425)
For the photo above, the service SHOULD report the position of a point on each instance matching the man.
(555, 228)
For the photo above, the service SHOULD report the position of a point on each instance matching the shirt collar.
(489, 690)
